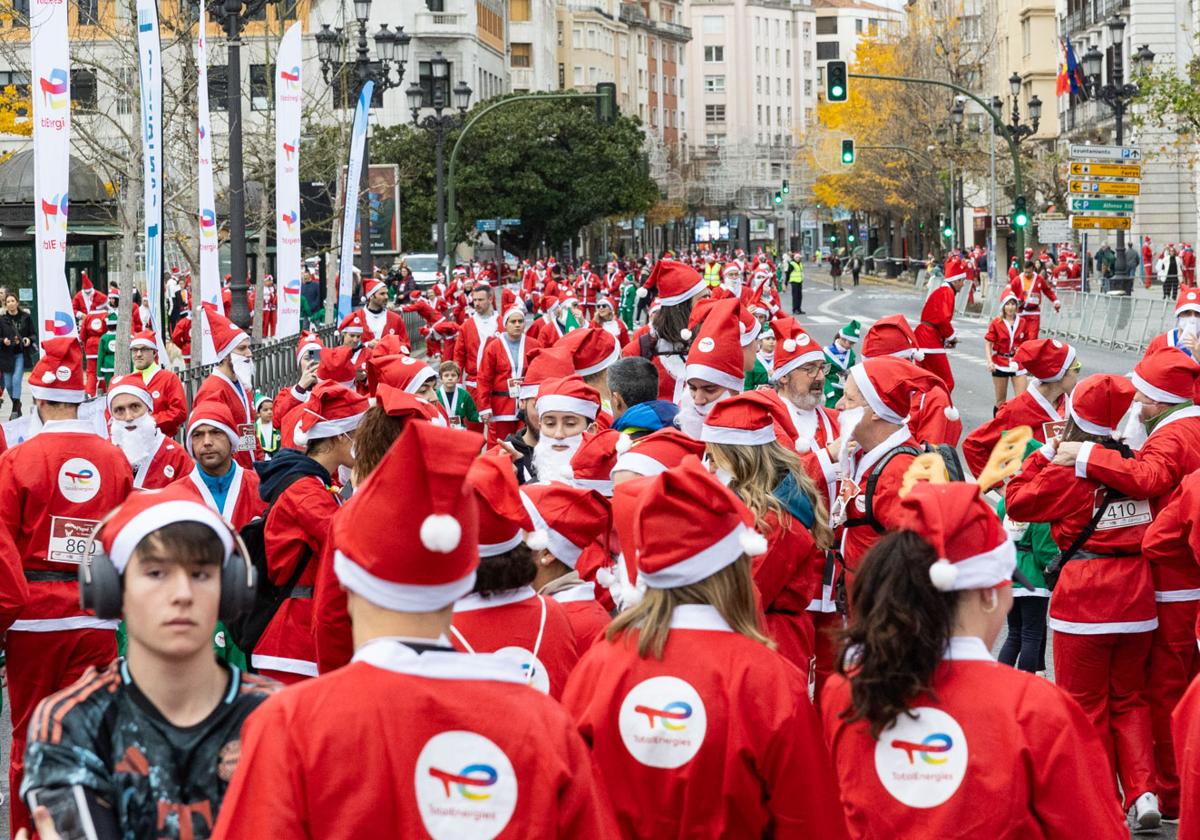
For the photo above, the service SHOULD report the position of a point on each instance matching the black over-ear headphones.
(100, 585)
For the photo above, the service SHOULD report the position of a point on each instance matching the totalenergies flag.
(210, 267)
(358, 140)
(150, 77)
(50, 60)
(288, 97)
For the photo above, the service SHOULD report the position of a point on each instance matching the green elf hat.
(112, 317)
(260, 398)
(851, 332)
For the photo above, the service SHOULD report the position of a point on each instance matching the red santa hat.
(144, 339)
(1099, 403)
(399, 371)
(86, 286)
(502, 514)
(1167, 375)
(716, 354)
(425, 559)
(131, 385)
(753, 418)
(308, 341)
(144, 513)
(1188, 300)
(887, 385)
(571, 522)
(592, 349)
(1046, 359)
(371, 286)
(570, 394)
(793, 347)
(545, 363)
(215, 413)
(656, 452)
(676, 282)
(400, 404)
(721, 529)
(891, 336)
(973, 549)
(954, 269)
(58, 374)
(389, 345)
(593, 462)
(226, 335)
(749, 325)
(337, 365)
(353, 324)
(731, 268)
(331, 410)
(1009, 296)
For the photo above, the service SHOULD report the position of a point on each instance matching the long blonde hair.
(730, 590)
(757, 471)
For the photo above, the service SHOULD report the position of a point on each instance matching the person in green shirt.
(841, 357)
(106, 355)
(454, 397)
(760, 374)
(264, 429)
(628, 306)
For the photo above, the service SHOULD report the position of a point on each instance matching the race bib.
(514, 387)
(1124, 513)
(70, 539)
(1015, 530)
(247, 441)
(1034, 300)
(1053, 428)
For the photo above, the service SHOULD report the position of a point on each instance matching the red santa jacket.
(495, 371)
(1028, 408)
(787, 578)
(1005, 339)
(546, 331)
(587, 616)
(1030, 296)
(332, 637)
(993, 752)
(386, 322)
(468, 349)
(683, 749)
(531, 629)
(442, 745)
(670, 366)
(858, 534)
(936, 326)
(170, 404)
(288, 398)
(54, 489)
(1185, 728)
(86, 301)
(933, 417)
(617, 328)
(220, 387)
(587, 287)
(181, 337)
(242, 504)
(169, 463)
(1172, 545)
(1112, 593)
(91, 329)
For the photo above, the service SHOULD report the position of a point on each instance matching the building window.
(218, 88)
(714, 140)
(87, 12)
(712, 25)
(577, 36)
(789, 86)
(83, 90)
(522, 55)
(288, 10)
(436, 6)
(827, 25)
(560, 33)
(714, 54)
(808, 87)
(518, 10)
(18, 80)
(807, 31)
(787, 59)
(1026, 37)
(827, 50)
(757, 55)
(261, 98)
(808, 59)
(562, 76)
(20, 12)
(714, 84)
(759, 118)
(577, 76)
(758, 84)
(768, 114)
(714, 113)
(126, 84)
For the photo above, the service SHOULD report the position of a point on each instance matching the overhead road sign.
(1115, 153)
(1104, 187)
(1102, 205)
(1101, 223)
(1107, 170)
(510, 222)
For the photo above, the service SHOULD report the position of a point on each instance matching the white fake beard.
(552, 464)
(848, 421)
(691, 416)
(1133, 430)
(734, 286)
(243, 369)
(135, 438)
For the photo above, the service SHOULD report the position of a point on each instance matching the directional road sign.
(1115, 153)
(1107, 170)
(485, 224)
(1102, 205)
(510, 222)
(1101, 223)
(1104, 187)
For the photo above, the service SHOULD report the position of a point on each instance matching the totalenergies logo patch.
(208, 223)
(290, 218)
(291, 289)
(474, 803)
(54, 89)
(62, 324)
(663, 722)
(921, 760)
(291, 77)
(670, 716)
(289, 149)
(929, 749)
(54, 212)
(78, 478)
(469, 782)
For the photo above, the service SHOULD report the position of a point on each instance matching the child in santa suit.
(436, 743)
(663, 701)
(930, 736)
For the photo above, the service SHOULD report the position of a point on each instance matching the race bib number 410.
(1124, 513)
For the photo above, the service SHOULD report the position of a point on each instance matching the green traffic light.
(778, 198)
(947, 232)
(837, 91)
(851, 237)
(1021, 220)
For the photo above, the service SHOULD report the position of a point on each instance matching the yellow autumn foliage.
(15, 111)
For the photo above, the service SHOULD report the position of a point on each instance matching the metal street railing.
(1117, 322)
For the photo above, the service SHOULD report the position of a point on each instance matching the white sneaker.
(1146, 815)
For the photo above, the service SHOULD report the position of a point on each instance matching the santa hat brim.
(203, 421)
(399, 597)
(61, 395)
(571, 405)
(131, 390)
(161, 515)
(867, 387)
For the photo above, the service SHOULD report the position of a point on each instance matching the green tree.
(1171, 99)
(550, 164)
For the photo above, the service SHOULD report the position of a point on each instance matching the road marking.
(820, 320)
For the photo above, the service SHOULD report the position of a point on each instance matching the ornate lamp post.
(1016, 129)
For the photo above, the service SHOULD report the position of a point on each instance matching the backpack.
(949, 456)
(246, 629)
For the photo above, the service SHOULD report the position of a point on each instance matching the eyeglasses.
(1076, 367)
(816, 368)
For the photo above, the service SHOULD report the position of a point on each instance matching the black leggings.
(1025, 646)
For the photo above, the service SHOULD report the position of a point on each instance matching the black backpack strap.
(646, 346)
(868, 517)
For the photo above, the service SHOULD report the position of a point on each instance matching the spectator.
(1170, 273)
(637, 411)
(16, 345)
(1106, 264)
(856, 266)
(835, 271)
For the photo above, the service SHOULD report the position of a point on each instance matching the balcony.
(634, 16)
(521, 78)
(444, 25)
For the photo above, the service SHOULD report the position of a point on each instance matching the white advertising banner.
(210, 266)
(150, 76)
(358, 138)
(288, 92)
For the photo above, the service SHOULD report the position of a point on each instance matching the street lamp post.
(1117, 94)
(1017, 132)
(391, 49)
(439, 124)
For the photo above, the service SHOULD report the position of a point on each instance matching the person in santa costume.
(1102, 609)
(662, 339)
(156, 459)
(219, 480)
(503, 613)
(606, 319)
(1185, 723)
(54, 488)
(181, 337)
(593, 351)
(442, 742)
(593, 462)
(164, 386)
(588, 288)
(501, 369)
(1030, 288)
(301, 491)
(545, 364)
(800, 372)
(91, 329)
(546, 329)
(481, 325)
(309, 351)
(1186, 334)
(935, 332)
(750, 440)
(88, 299)
(378, 320)
(270, 306)
(232, 383)
(653, 454)
(662, 702)
(1055, 370)
(566, 410)
(1004, 337)
(570, 540)
(717, 362)
(929, 735)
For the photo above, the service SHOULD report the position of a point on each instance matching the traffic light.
(850, 237)
(606, 103)
(786, 189)
(946, 228)
(778, 198)
(1020, 217)
(836, 87)
(833, 237)
(848, 152)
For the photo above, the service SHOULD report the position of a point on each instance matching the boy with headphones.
(147, 746)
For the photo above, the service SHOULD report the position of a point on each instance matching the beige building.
(593, 46)
(1026, 44)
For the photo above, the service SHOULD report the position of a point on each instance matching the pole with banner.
(358, 137)
(288, 87)
(50, 62)
(150, 78)
(210, 266)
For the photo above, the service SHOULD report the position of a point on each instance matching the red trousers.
(40, 664)
(1031, 324)
(268, 323)
(938, 363)
(824, 648)
(1173, 663)
(1106, 675)
(498, 430)
(89, 376)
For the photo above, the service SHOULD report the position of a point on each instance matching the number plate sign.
(70, 539)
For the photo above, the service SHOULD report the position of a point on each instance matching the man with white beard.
(566, 409)
(800, 371)
(156, 460)
(717, 361)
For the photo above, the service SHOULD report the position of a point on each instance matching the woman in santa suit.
(750, 439)
(1004, 335)
(697, 726)
(931, 737)
(503, 614)
(1030, 287)
(500, 372)
(1102, 611)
